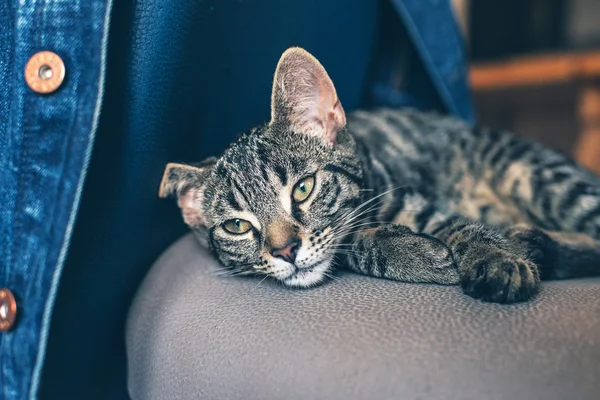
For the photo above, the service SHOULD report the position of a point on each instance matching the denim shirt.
(45, 145)
(47, 142)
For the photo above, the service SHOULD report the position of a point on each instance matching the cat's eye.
(303, 189)
(237, 226)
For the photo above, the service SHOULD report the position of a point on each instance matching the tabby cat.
(396, 194)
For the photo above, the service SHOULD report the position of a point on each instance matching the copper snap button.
(8, 310)
(44, 72)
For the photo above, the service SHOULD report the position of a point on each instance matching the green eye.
(303, 189)
(237, 226)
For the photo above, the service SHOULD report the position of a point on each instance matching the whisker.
(377, 221)
(261, 281)
(231, 273)
(360, 206)
(343, 232)
(352, 254)
(357, 212)
(330, 276)
(375, 207)
(363, 223)
(350, 231)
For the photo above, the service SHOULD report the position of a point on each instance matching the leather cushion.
(193, 334)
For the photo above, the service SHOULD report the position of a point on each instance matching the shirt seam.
(43, 341)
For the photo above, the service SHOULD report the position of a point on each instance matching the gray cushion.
(192, 334)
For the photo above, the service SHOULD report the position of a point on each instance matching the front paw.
(492, 274)
(413, 257)
(540, 247)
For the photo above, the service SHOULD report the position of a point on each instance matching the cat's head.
(281, 197)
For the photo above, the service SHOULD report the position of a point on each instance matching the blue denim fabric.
(433, 29)
(45, 144)
(424, 59)
(182, 79)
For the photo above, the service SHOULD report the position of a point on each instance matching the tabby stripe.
(547, 212)
(282, 174)
(560, 177)
(349, 165)
(586, 218)
(516, 153)
(519, 150)
(458, 232)
(486, 150)
(459, 227)
(426, 175)
(297, 214)
(232, 254)
(537, 183)
(477, 131)
(485, 210)
(382, 264)
(424, 216)
(444, 225)
(233, 202)
(213, 246)
(557, 164)
(334, 197)
(367, 161)
(579, 189)
(353, 258)
(537, 220)
(239, 189)
(339, 170)
(396, 207)
(221, 171)
(211, 239)
(261, 151)
(347, 203)
(514, 192)
(399, 124)
(360, 255)
(369, 262)
(263, 171)
(497, 156)
(413, 132)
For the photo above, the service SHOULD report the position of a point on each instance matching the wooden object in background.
(580, 68)
(587, 150)
(535, 70)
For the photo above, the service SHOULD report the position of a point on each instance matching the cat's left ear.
(187, 182)
(304, 98)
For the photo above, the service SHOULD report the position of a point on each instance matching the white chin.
(308, 277)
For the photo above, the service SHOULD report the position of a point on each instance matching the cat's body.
(485, 175)
(396, 194)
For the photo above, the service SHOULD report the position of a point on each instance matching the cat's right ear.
(187, 182)
(304, 97)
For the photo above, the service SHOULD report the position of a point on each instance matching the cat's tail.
(560, 255)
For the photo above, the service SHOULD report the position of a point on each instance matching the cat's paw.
(538, 245)
(425, 249)
(492, 274)
(412, 257)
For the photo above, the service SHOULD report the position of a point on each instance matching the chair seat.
(194, 334)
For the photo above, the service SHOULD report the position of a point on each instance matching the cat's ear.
(187, 182)
(304, 97)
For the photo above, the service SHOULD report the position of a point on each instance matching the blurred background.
(535, 70)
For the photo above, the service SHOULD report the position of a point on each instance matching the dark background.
(504, 31)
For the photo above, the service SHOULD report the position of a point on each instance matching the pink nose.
(287, 252)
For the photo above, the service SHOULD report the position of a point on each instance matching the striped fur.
(399, 194)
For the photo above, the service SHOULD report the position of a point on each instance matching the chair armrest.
(193, 334)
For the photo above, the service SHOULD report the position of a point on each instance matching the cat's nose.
(287, 252)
